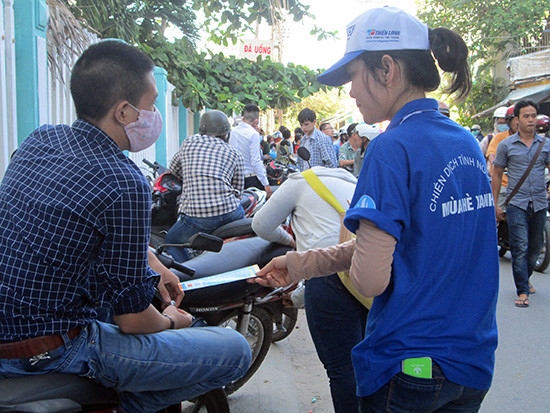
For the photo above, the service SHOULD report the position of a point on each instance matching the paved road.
(292, 378)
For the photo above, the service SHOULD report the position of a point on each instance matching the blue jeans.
(526, 230)
(150, 371)
(404, 394)
(187, 226)
(336, 321)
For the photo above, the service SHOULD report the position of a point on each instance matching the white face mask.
(145, 131)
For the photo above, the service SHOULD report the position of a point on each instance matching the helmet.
(509, 113)
(543, 124)
(365, 130)
(214, 123)
(500, 112)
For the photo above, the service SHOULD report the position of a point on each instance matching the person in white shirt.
(246, 140)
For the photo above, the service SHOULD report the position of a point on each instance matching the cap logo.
(350, 30)
(386, 36)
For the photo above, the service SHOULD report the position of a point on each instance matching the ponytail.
(451, 54)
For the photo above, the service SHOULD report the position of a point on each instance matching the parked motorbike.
(248, 308)
(68, 393)
(278, 170)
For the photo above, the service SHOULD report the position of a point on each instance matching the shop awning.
(538, 93)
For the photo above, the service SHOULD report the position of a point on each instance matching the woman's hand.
(274, 274)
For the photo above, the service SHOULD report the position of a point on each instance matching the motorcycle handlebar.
(152, 165)
(169, 262)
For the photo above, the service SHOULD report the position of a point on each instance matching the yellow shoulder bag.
(345, 235)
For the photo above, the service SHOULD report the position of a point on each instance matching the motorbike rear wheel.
(260, 331)
(544, 257)
(290, 316)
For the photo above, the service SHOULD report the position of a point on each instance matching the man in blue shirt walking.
(526, 211)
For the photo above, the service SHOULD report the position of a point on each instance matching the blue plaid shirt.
(321, 148)
(74, 230)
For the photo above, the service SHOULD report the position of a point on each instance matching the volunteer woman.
(426, 244)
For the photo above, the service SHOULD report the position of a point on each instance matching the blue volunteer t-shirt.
(424, 181)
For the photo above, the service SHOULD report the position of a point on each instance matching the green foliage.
(489, 26)
(326, 103)
(135, 21)
(206, 80)
(493, 30)
(485, 93)
(227, 83)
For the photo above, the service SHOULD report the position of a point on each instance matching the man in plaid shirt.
(212, 174)
(318, 144)
(75, 219)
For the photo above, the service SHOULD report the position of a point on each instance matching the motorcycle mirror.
(206, 242)
(304, 153)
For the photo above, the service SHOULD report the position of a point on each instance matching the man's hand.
(274, 274)
(169, 284)
(268, 191)
(501, 215)
(182, 319)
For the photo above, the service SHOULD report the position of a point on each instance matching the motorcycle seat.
(234, 229)
(54, 393)
(233, 255)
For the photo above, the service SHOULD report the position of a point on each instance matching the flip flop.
(532, 289)
(522, 303)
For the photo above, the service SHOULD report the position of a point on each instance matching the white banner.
(252, 48)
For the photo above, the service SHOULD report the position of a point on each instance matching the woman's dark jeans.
(407, 394)
(336, 321)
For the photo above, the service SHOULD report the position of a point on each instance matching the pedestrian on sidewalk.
(526, 208)
(426, 245)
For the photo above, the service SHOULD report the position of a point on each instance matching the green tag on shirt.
(418, 367)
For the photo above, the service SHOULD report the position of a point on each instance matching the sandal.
(522, 303)
(532, 289)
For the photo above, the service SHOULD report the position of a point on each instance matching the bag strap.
(321, 189)
(526, 173)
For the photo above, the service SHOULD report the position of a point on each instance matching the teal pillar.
(162, 105)
(31, 65)
(182, 115)
(196, 120)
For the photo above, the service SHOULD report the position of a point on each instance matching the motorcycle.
(164, 213)
(248, 308)
(164, 208)
(68, 393)
(278, 170)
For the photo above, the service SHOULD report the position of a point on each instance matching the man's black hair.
(251, 112)
(282, 128)
(306, 115)
(286, 134)
(323, 125)
(298, 131)
(523, 104)
(108, 72)
(351, 128)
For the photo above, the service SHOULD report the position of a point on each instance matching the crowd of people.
(394, 233)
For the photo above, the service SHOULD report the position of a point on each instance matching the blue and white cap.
(380, 29)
